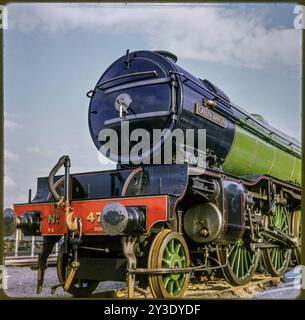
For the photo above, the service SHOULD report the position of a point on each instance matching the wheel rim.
(168, 250)
(297, 226)
(278, 258)
(297, 231)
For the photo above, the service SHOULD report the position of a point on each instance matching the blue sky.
(54, 54)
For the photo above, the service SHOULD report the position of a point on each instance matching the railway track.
(225, 290)
(27, 261)
(211, 289)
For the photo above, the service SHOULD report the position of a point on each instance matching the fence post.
(16, 242)
(33, 246)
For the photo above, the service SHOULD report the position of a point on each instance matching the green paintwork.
(241, 260)
(174, 257)
(251, 155)
(279, 256)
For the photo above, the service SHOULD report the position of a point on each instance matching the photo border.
(3, 296)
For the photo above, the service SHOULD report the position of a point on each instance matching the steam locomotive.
(159, 224)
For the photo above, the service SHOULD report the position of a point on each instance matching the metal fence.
(19, 245)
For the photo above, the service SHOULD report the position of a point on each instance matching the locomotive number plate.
(207, 113)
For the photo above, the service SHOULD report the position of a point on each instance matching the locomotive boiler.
(160, 224)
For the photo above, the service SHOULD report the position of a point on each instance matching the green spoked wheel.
(297, 231)
(168, 250)
(241, 262)
(277, 259)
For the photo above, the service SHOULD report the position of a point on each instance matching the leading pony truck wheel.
(78, 288)
(168, 250)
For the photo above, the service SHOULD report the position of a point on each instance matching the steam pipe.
(72, 224)
(62, 161)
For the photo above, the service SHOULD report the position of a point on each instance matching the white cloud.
(35, 150)
(9, 182)
(50, 151)
(44, 151)
(209, 33)
(10, 156)
(10, 122)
